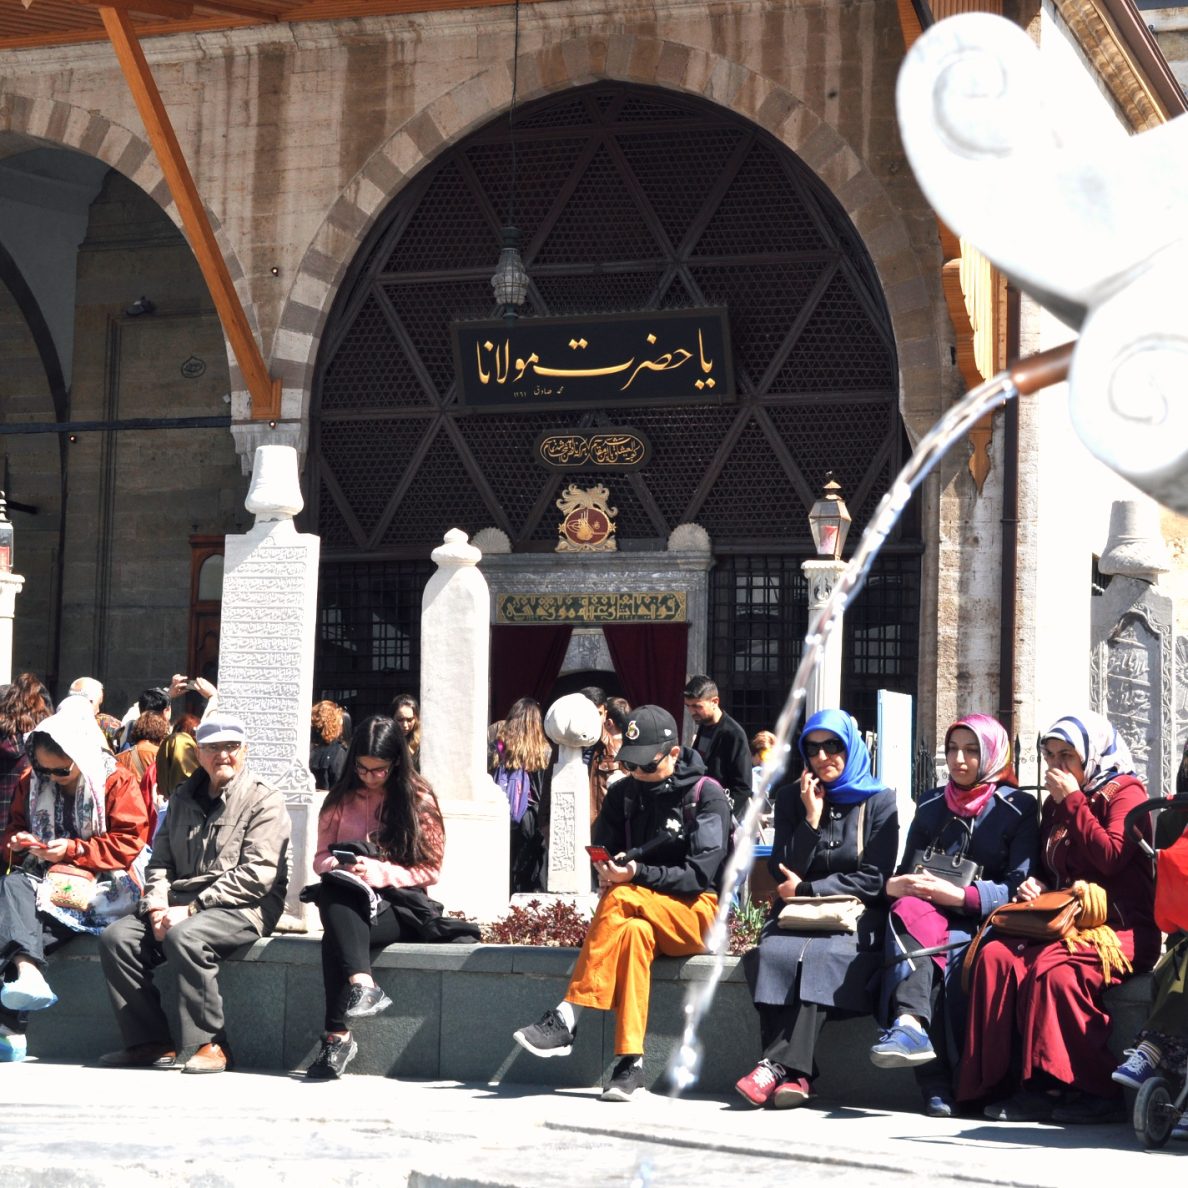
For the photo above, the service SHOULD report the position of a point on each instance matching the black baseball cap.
(650, 732)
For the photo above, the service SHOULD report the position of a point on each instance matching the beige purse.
(826, 913)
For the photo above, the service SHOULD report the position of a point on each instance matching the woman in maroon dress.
(1036, 1022)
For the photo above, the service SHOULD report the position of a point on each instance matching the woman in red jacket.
(76, 809)
(1036, 1022)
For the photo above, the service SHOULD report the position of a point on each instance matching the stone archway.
(647, 61)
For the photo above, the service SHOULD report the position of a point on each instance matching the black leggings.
(347, 942)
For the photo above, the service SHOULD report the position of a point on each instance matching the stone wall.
(300, 136)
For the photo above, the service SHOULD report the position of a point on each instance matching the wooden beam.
(262, 388)
(174, 10)
(243, 8)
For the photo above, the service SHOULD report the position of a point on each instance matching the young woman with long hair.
(521, 765)
(387, 817)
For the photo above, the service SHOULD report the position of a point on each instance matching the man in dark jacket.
(667, 827)
(720, 741)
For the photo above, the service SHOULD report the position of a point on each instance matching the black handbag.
(953, 868)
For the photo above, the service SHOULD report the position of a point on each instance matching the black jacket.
(727, 756)
(690, 844)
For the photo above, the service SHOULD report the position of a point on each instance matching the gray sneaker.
(330, 1063)
(365, 1001)
(625, 1080)
(549, 1037)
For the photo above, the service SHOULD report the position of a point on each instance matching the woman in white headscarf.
(1036, 1022)
(75, 841)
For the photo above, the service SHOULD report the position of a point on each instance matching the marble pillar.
(455, 664)
(10, 587)
(266, 653)
(572, 722)
(824, 683)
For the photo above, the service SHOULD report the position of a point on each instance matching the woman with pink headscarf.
(982, 834)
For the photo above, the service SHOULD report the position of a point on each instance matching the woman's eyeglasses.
(379, 773)
(831, 746)
(60, 772)
(646, 768)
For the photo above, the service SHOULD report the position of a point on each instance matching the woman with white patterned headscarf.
(75, 842)
(1036, 1022)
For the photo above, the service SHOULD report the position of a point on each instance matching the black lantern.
(510, 282)
(830, 520)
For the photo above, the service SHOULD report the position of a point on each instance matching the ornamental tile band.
(662, 606)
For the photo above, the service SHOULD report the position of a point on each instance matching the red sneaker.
(790, 1093)
(761, 1082)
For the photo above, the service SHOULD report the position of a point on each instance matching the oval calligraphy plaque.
(594, 449)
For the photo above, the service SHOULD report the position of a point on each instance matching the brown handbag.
(1050, 916)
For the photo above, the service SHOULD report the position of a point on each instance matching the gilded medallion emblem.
(588, 524)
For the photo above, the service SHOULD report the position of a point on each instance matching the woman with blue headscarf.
(836, 833)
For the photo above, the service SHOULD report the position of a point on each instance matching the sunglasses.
(229, 748)
(379, 772)
(646, 768)
(60, 772)
(831, 746)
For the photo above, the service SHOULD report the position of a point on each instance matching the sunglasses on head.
(646, 768)
(61, 772)
(831, 746)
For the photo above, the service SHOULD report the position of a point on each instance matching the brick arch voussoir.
(550, 70)
(55, 124)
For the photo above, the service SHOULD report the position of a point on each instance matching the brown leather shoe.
(210, 1058)
(141, 1056)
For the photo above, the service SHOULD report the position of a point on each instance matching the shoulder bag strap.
(861, 830)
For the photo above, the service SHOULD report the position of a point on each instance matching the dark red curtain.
(525, 662)
(650, 660)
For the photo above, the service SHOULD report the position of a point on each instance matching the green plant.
(745, 922)
(558, 924)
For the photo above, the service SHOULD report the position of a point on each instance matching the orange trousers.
(614, 968)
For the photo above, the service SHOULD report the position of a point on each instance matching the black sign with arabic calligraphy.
(593, 449)
(657, 357)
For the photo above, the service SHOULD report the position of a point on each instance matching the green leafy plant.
(745, 922)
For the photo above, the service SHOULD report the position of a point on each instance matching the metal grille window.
(628, 198)
(369, 632)
(759, 616)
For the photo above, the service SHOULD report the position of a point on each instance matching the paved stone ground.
(66, 1125)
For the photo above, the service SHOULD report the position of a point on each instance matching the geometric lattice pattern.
(627, 198)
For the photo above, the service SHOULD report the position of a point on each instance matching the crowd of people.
(153, 833)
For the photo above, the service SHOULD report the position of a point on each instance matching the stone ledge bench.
(455, 1008)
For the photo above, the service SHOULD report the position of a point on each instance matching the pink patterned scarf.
(994, 765)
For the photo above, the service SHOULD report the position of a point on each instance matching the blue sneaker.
(902, 1047)
(13, 1047)
(28, 991)
(1136, 1069)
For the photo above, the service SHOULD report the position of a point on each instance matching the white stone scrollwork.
(688, 538)
(990, 145)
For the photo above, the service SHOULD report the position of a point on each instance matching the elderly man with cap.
(216, 881)
(666, 828)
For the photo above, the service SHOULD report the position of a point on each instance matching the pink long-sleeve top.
(356, 818)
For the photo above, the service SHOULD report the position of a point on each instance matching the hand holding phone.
(599, 854)
(344, 857)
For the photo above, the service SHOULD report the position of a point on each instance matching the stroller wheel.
(1154, 1114)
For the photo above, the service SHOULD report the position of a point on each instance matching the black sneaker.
(625, 1080)
(549, 1037)
(365, 1001)
(330, 1063)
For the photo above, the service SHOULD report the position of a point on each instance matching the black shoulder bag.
(953, 868)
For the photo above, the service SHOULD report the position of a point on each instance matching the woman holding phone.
(836, 833)
(380, 825)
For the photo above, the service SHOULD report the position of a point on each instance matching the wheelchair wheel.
(1154, 1115)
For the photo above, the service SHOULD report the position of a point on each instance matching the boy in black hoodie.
(668, 827)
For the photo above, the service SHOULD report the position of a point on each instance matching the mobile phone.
(599, 854)
(345, 857)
